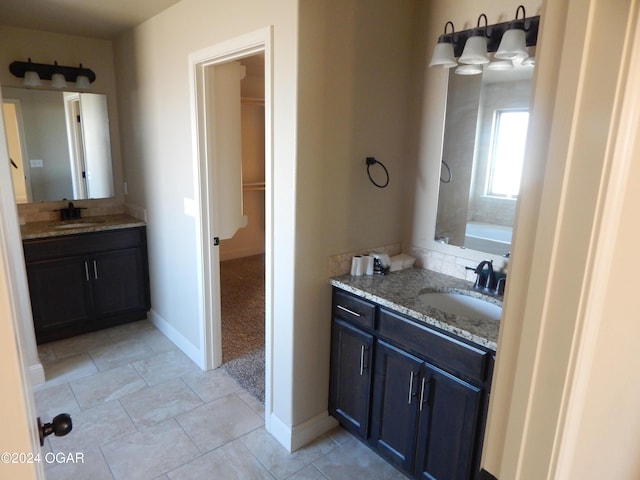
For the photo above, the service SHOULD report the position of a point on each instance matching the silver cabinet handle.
(361, 359)
(348, 311)
(86, 270)
(95, 270)
(410, 387)
(422, 393)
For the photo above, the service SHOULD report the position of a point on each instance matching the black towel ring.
(373, 161)
(448, 170)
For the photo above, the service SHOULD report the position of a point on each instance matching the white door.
(97, 145)
(18, 411)
(76, 148)
(15, 142)
(224, 143)
(218, 143)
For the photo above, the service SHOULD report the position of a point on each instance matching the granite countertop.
(81, 225)
(399, 291)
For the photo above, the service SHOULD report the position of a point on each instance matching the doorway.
(213, 210)
(242, 299)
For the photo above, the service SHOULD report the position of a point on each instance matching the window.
(507, 153)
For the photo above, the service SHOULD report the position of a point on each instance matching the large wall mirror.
(59, 145)
(482, 156)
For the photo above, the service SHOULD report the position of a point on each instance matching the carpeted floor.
(242, 305)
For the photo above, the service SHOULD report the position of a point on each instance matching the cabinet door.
(394, 415)
(350, 386)
(118, 282)
(449, 427)
(60, 296)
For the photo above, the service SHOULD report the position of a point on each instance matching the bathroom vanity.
(411, 381)
(86, 274)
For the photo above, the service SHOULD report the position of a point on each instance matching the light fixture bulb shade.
(475, 51)
(31, 79)
(58, 81)
(469, 70)
(82, 82)
(512, 45)
(443, 56)
(501, 65)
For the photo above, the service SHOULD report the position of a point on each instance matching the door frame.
(23, 143)
(207, 255)
(75, 141)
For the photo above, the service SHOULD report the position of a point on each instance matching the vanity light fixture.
(509, 39)
(475, 48)
(443, 54)
(33, 73)
(514, 42)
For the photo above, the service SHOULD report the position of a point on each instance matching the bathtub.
(488, 237)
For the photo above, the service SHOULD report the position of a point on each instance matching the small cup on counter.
(368, 264)
(357, 265)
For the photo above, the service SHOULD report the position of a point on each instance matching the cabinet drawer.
(353, 309)
(83, 243)
(444, 351)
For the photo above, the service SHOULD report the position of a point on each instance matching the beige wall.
(339, 97)
(353, 80)
(155, 116)
(565, 391)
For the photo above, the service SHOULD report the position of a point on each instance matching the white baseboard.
(297, 437)
(36, 373)
(169, 331)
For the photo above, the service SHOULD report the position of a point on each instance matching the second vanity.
(86, 274)
(410, 380)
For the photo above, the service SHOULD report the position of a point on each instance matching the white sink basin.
(463, 305)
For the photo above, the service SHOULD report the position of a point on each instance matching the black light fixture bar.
(46, 71)
(494, 34)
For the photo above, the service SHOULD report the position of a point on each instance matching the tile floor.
(142, 410)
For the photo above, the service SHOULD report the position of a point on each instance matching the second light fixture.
(509, 41)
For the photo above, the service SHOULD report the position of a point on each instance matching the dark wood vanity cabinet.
(351, 376)
(416, 395)
(84, 282)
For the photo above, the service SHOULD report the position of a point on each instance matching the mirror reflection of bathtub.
(488, 237)
(481, 147)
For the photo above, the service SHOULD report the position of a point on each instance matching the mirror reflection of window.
(507, 153)
(484, 141)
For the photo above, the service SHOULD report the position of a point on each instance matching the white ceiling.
(89, 18)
